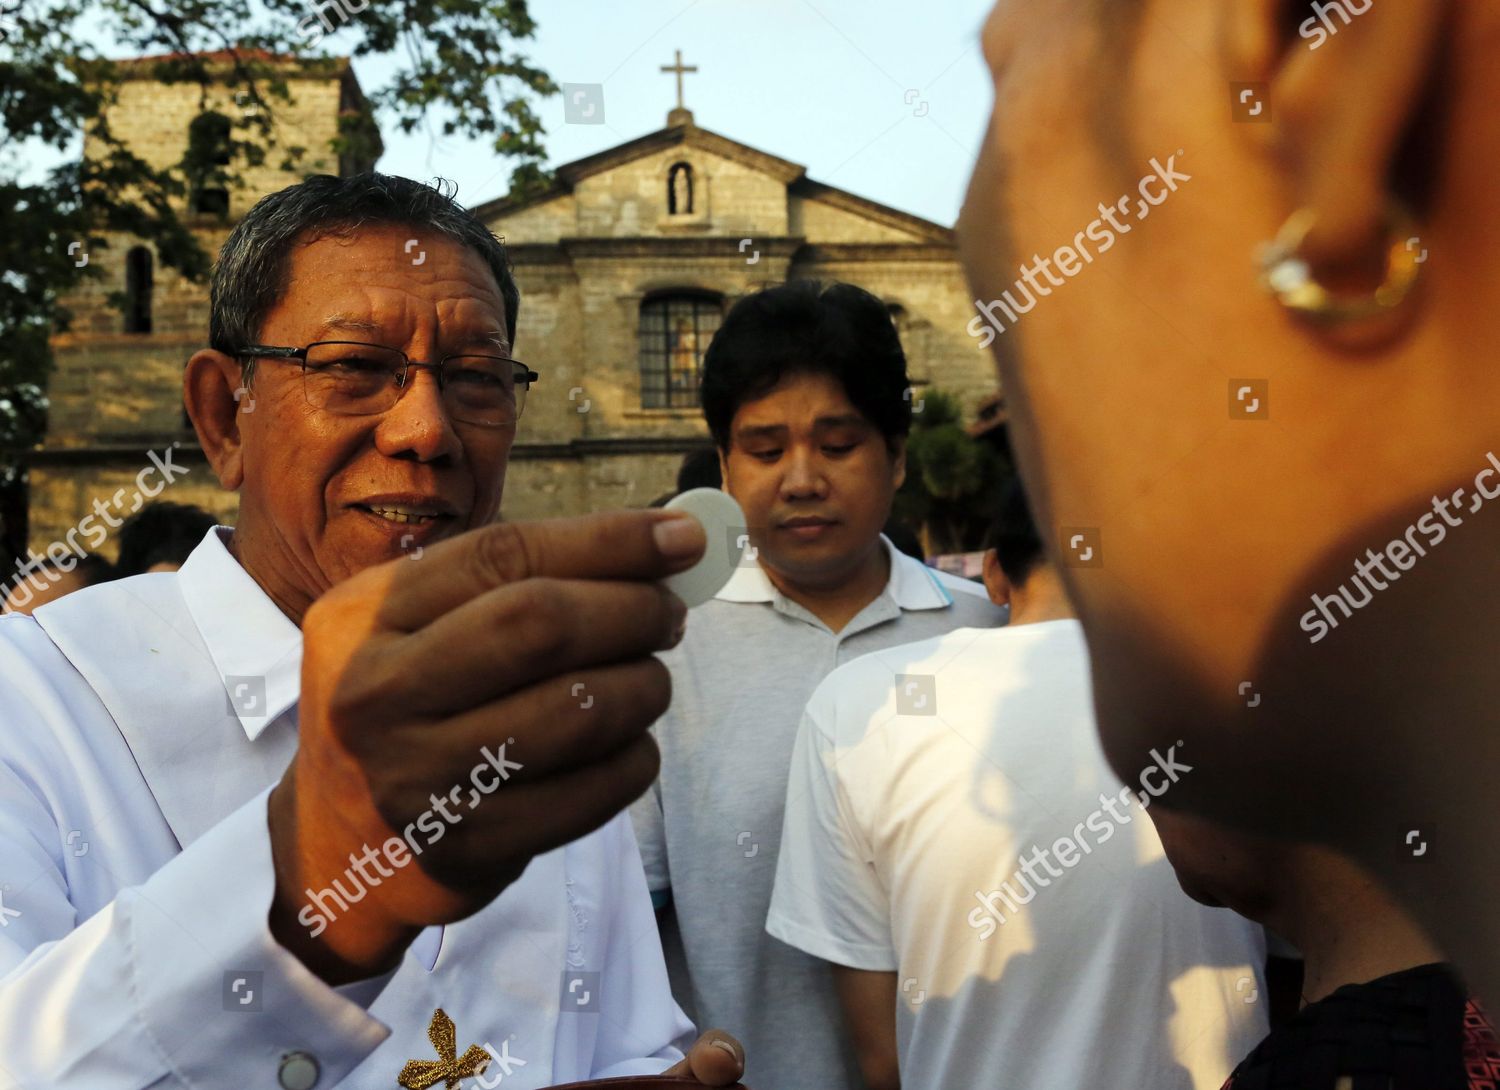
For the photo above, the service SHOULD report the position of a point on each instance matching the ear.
(898, 462)
(215, 400)
(1346, 79)
(995, 583)
(723, 467)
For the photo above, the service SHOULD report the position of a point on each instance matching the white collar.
(912, 584)
(247, 636)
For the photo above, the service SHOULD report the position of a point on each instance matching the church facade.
(626, 266)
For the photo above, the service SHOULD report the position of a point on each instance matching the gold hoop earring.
(1289, 279)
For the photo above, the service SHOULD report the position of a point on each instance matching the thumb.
(716, 1059)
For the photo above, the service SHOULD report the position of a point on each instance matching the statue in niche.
(680, 190)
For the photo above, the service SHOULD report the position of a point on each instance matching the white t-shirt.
(951, 818)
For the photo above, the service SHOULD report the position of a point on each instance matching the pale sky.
(823, 83)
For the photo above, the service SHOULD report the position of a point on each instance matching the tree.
(60, 66)
(953, 481)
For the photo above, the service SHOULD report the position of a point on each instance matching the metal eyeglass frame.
(286, 355)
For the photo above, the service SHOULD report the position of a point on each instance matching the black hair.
(699, 469)
(1013, 535)
(160, 533)
(250, 276)
(94, 569)
(805, 327)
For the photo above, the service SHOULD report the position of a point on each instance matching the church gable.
(684, 189)
(679, 181)
(684, 181)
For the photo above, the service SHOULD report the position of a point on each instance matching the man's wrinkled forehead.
(342, 325)
(445, 289)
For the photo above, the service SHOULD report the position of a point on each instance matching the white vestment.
(142, 725)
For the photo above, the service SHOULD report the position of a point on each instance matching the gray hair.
(250, 276)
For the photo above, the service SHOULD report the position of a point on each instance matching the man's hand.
(716, 1059)
(463, 713)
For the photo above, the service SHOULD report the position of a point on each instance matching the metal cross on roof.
(680, 69)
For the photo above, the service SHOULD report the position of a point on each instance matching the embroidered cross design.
(449, 1068)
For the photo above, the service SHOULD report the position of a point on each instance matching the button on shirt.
(142, 725)
(710, 827)
(963, 842)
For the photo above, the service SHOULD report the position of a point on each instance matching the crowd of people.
(375, 788)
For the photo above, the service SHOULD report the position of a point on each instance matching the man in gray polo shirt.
(805, 392)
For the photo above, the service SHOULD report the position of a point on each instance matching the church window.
(674, 333)
(210, 149)
(138, 290)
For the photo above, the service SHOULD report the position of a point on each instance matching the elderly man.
(295, 816)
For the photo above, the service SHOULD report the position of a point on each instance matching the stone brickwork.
(538, 488)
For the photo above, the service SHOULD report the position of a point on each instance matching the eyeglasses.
(350, 378)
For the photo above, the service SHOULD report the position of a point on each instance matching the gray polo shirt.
(710, 827)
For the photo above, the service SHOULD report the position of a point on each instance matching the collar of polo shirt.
(911, 585)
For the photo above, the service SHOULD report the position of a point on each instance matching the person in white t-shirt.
(997, 910)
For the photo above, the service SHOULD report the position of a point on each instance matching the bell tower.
(116, 391)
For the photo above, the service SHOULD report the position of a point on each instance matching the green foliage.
(953, 481)
(60, 70)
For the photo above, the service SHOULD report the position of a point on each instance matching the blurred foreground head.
(1277, 511)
